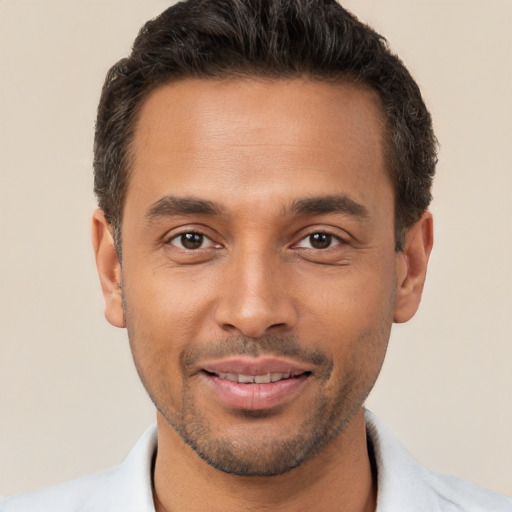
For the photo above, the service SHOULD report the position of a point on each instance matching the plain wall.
(70, 400)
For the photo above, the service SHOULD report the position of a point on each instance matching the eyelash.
(330, 236)
(190, 234)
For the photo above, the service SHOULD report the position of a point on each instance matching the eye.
(319, 241)
(191, 241)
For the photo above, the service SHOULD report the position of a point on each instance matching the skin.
(260, 284)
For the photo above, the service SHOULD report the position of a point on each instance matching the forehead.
(203, 137)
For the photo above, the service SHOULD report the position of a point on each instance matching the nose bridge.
(255, 296)
(256, 271)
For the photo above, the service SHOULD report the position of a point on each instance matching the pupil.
(320, 240)
(192, 240)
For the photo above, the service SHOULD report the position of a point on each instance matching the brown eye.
(320, 240)
(189, 241)
(192, 240)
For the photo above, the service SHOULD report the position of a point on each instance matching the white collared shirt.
(403, 485)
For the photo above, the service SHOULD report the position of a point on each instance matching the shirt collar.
(401, 480)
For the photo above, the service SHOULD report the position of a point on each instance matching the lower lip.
(256, 396)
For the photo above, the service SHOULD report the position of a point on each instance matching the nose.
(256, 296)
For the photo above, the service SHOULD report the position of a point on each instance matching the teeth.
(229, 376)
(246, 379)
(254, 379)
(263, 379)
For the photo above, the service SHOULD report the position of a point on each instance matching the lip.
(255, 396)
(255, 366)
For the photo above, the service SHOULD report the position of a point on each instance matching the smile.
(255, 379)
(254, 384)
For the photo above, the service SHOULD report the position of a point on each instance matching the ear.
(109, 268)
(412, 267)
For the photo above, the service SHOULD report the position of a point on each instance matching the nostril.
(253, 317)
(277, 325)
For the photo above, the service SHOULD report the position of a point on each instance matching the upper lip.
(255, 366)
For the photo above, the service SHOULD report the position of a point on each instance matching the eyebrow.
(169, 206)
(329, 204)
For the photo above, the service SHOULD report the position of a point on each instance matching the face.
(259, 274)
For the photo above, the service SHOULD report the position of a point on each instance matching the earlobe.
(109, 269)
(412, 268)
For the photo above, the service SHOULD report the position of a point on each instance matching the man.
(263, 170)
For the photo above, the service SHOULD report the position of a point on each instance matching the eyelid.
(169, 238)
(335, 234)
(334, 242)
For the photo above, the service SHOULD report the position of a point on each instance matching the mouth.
(266, 378)
(244, 384)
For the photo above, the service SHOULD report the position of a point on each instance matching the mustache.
(268, 345)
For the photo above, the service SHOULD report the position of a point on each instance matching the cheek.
(352, 319)
(161, 321)
(167, 305)
(353, 300)
(157, 342)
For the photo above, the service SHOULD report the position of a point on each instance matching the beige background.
(70, 401)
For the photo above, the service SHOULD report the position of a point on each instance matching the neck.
(340, 478)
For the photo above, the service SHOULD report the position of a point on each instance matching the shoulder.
(404, 485)
(72, 496)
(458, 495)
(123, 488)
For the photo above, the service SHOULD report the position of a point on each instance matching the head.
(272, 39)
(264, 168)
